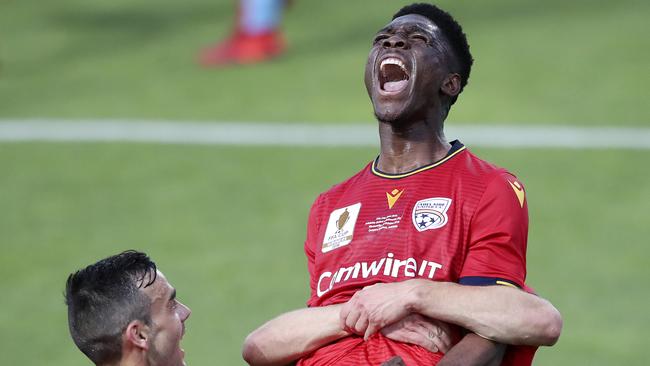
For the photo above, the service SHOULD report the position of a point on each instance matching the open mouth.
(179, 341)
(393, 75)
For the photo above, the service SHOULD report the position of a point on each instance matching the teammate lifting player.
(426, 230)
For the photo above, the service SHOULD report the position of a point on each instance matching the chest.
(403, 228)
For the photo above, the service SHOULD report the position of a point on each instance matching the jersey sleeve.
(310, 247)
(498, 235)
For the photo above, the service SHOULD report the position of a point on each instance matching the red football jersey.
(460, 219)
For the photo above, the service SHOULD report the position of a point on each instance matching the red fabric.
(483, 234)
(353, 351)
(499, 230)
(519, 356)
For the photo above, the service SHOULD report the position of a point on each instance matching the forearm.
(292, 335)
(474, 350)
(499, 313)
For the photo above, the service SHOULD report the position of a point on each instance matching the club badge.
(431, 213)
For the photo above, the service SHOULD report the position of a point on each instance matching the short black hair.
(104, 298)
(451, 30)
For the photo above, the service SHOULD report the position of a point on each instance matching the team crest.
(431, 213)
(340, 227)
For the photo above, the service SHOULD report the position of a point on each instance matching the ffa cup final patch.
(340, 227)
(431, 213)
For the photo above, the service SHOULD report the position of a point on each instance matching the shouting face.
(408, 68)
(168, 317)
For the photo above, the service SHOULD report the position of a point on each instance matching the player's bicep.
(498, 236)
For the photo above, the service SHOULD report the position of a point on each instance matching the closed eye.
(420, 37)
(172, 300)
(379, 38)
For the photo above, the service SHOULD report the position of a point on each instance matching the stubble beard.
(157, 358)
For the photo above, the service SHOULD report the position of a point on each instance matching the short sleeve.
(310, 245)
(498, 235)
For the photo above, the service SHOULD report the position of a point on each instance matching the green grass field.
(232, 244)
(577, 62)
(226, 224)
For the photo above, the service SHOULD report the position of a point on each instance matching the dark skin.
(411, 115)
(474, 350)
(411, 120)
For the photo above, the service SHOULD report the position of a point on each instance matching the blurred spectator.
(256, 36)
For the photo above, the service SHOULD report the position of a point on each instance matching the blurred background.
(226, 223)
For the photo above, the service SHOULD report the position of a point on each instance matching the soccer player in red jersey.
(426, 229)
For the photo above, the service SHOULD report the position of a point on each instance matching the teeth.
(393, 61)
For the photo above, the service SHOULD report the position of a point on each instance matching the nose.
(186, 312)
(395, 41)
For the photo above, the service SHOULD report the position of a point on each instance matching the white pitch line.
(273, 134)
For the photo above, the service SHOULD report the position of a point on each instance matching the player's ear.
(451, 85)
(137, 334)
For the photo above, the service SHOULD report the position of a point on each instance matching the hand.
(434, 335)
(375, 307)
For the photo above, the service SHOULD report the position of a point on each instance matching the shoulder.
(483, 172)
(499, 188)
(484, 183)
(326, 200)
(337, 190)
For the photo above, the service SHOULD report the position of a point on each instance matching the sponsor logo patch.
(431, 213)
(386, 266)
(340, 227)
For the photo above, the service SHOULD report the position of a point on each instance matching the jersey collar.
(456, 147)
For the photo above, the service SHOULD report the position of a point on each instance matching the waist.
(353, 350)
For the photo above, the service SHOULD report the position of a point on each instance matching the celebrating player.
(122, 311)
(426, 228)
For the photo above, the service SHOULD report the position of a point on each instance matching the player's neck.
(131, 359)
(408, 146)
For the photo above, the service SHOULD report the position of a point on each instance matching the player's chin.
(180, 356)
(392, 114)
(392, 109)
(181, 360)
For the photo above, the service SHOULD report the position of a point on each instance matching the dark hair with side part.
(104, 298)
(452, 31)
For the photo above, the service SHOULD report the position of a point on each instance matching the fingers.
(431, 334)
(437, 333)
(362, 324)
(353, 318)
(445, 336)
(400, 332)
(351, 321)
(376, 322)
(372, 329)
(436, 343)
(416, 329)
(370, 309)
